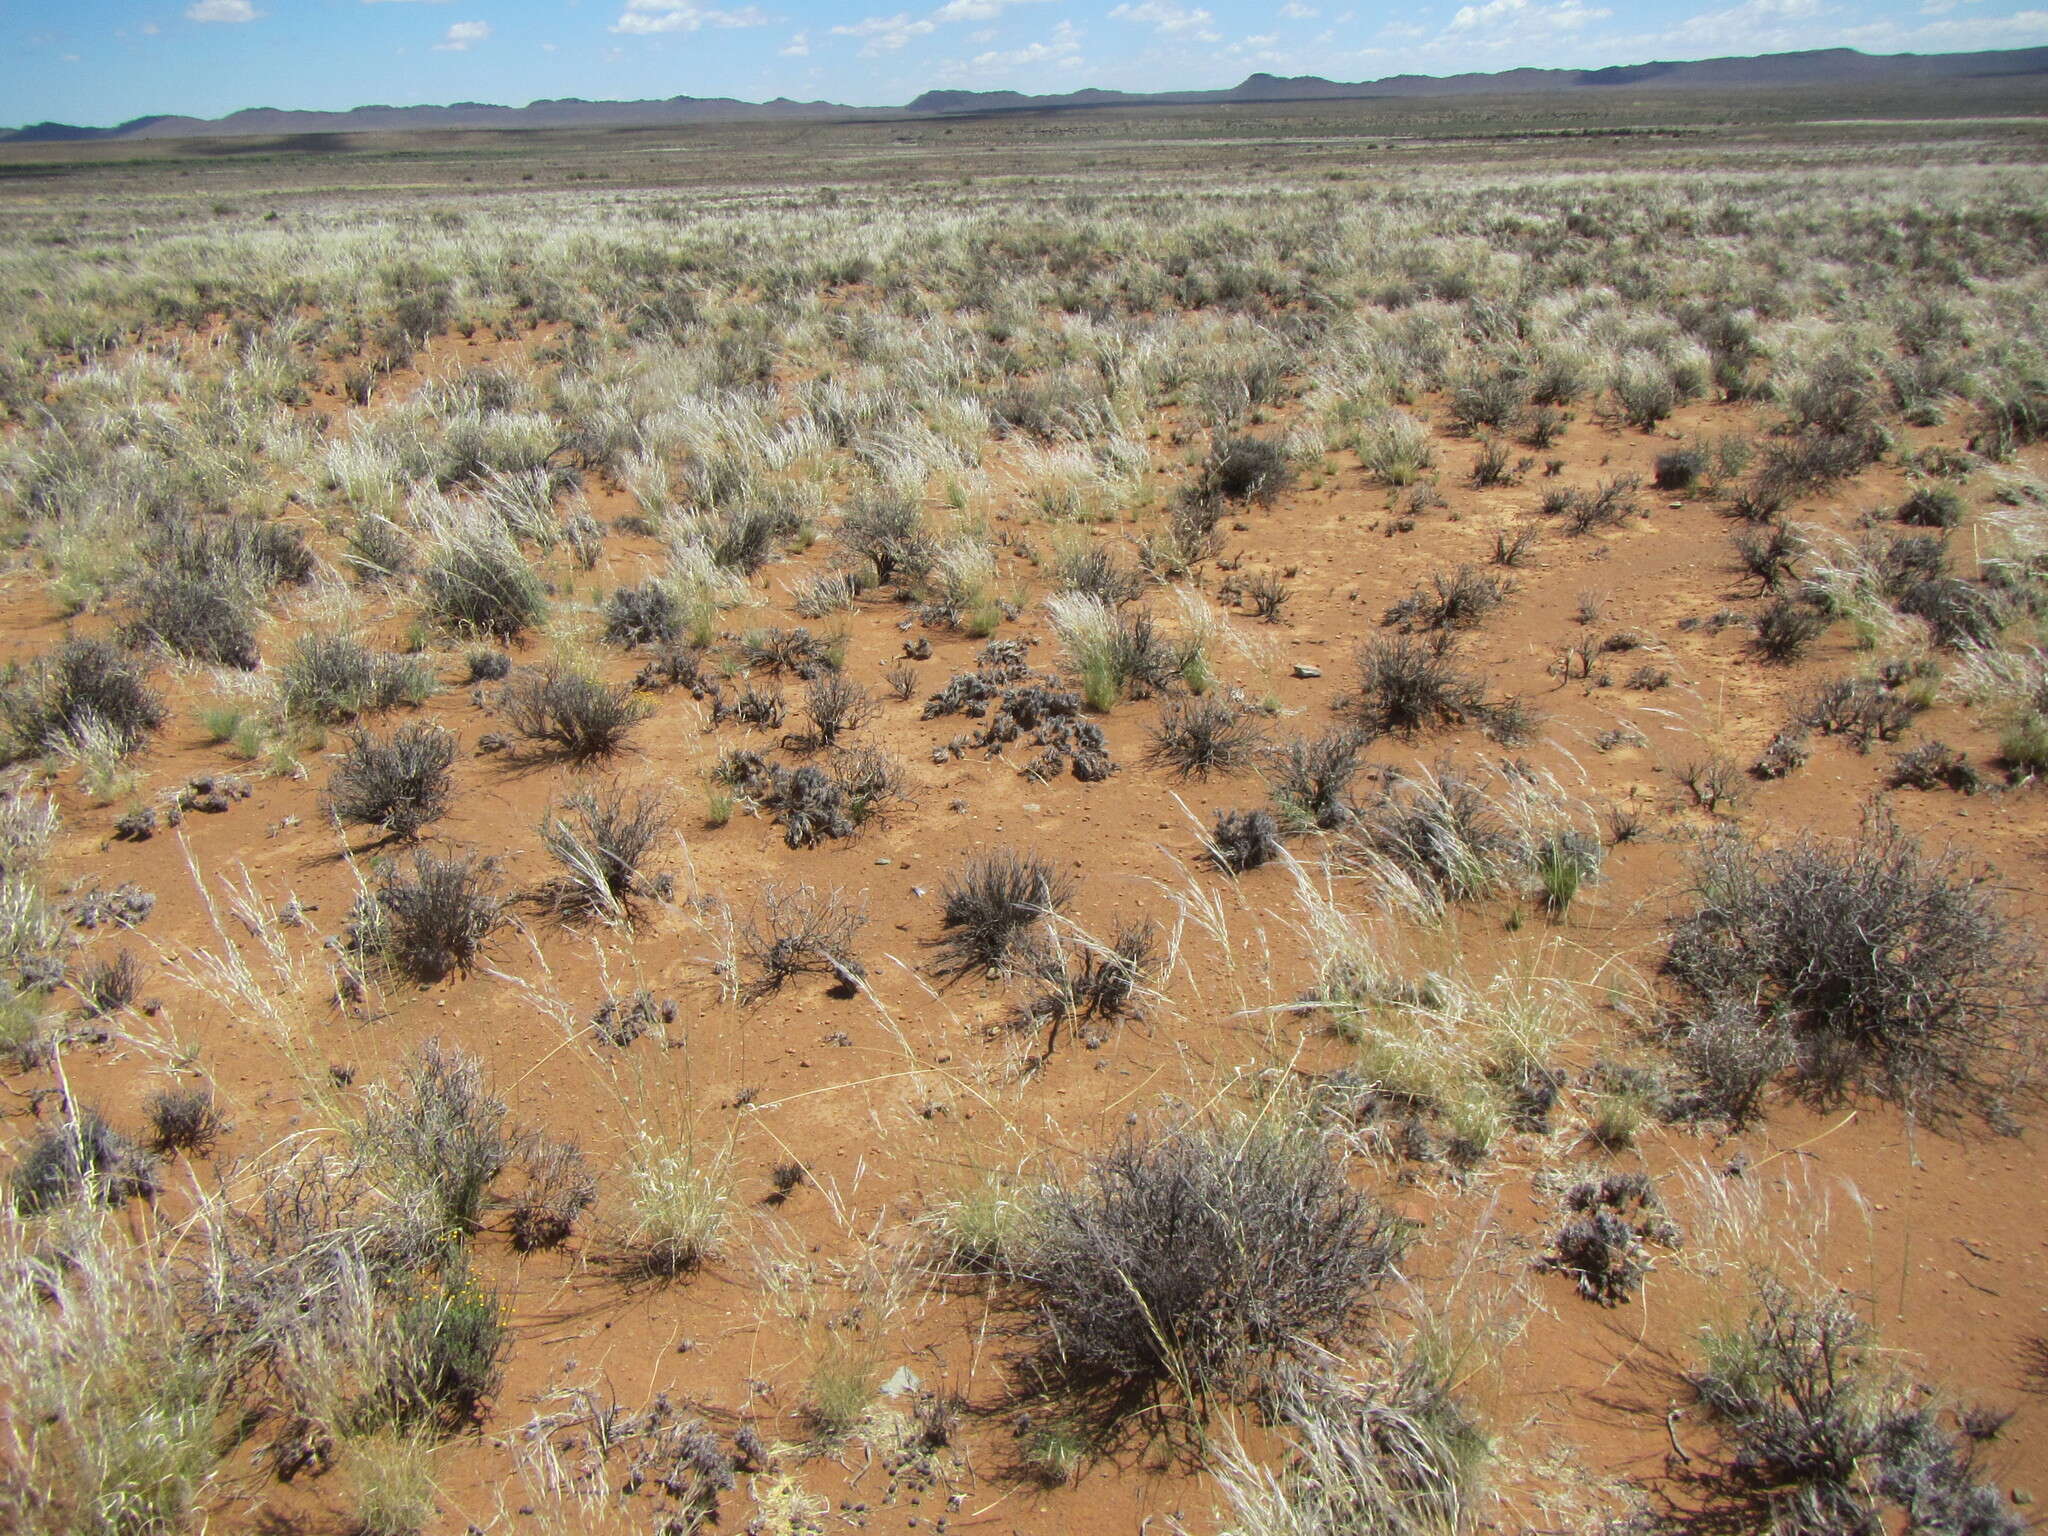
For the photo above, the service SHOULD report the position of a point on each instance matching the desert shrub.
(1609, 505)
(1198, 737)
(649, 614)
(1248, 469)
(1512, 547)
(1394, 447)
(1190, 536)
(1457, 599)
(1786, 628)
(1096, 572)
(797, 651)
(184, 1119)
(1495, 465)
(1711, 780)
(811, 803)
(331, 678)
(1442, 829)
(1770, 553)
(478, 582)
(676, 1209)
(439, 1132)
(803, 932)
(1311, 777)
(1493, 398)
(201, 618)
(1243, 840)
(579, 716)
(1680, 469)
(836, 704)
(1203, 1256)
(1902, 563)
(77, 1156)
(1935, 765)
(1958, 613)
(2023, 745)
(1882, 969)
(1602, 1241)
(1644, 393)
(623, 1018)
(1786, 751)
(243, 551)
(1408, 688)
(1118, 655)
(1804, 464)
(1087, 980)
(443, 1354)
(601, 837)
(1268, 595)
(888, 531)
(555, 1186)
(1861, 709)
(107, 986)
(435, 913)
(400, 783)
(112, 1425)
(1837, 397)
(1821, 1433)
(377, 549)
(82, 687)
(990, 903)
(2010, 419)
(751, 705)
(487, 665)
(743, 536)
(1932, 506)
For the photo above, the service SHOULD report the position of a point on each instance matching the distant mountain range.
(1820, 67)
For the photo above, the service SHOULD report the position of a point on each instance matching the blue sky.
(103, 61)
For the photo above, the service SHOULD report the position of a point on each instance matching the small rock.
(2021, 1497)
(883, 862)
(1303, 669)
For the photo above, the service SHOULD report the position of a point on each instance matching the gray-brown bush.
(1872, 967)
(1206, 1256)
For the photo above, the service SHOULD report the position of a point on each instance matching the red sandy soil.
(1946, 1232)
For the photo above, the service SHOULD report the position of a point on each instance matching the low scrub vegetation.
(1873, 967)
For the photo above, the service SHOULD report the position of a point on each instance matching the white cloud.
(221, 10)
(1168, 20)
(463, 36)
(150, 29)
(642, 18)
(403, 2)
(976, 10)
(798, 47)
(1515, 17)
(1061, 50)
(886, 34)
(1294, 11)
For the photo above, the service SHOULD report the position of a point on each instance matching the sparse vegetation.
(570, 711)
(1203, 1258)
(1872, 968)
(991, 902)
(920, 474)
(433, 914)
(400, 784)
